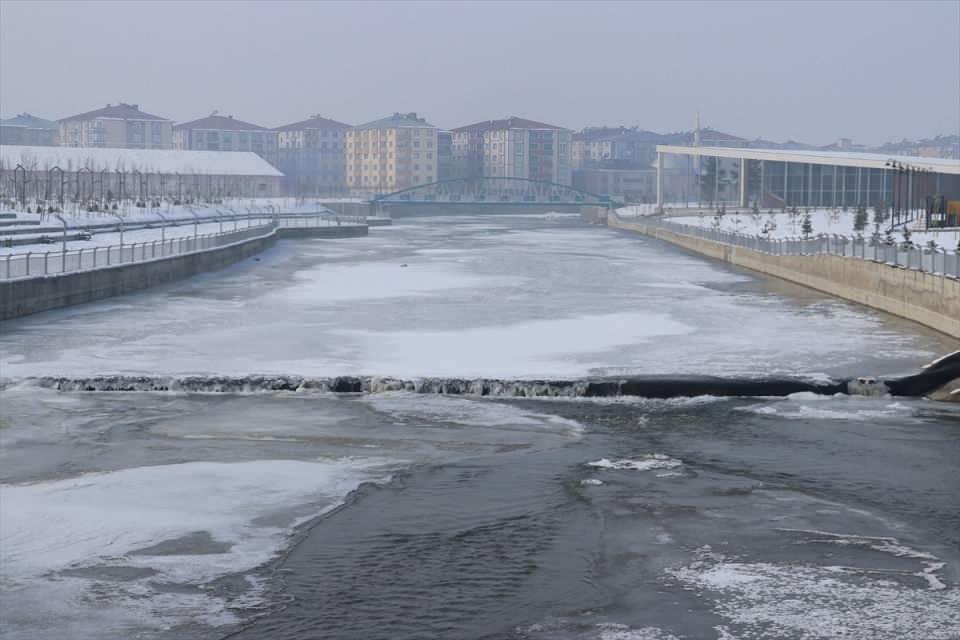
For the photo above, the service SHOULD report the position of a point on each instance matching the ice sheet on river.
(113, 551)
(524, 297)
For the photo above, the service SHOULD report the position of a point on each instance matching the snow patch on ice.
(469, 412)
(105, 520)
(571, 629)
(647, 463)
(553, 348)
(764, 600)
(334, 283)
(800, 406)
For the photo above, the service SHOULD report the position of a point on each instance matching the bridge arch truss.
(492, 190)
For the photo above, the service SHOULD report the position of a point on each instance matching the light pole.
(63, 261)
(120, 218)
(196, 221)
(163, 227)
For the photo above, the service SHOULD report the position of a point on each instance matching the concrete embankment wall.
(594, 214)
(929, 299)
(33, 295)
(345, 231)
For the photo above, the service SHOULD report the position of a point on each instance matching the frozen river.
(508, 296)
(307, 515)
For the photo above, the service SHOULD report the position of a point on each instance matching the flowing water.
(284, 514)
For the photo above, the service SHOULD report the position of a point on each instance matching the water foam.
(647, 463)
(763, 600)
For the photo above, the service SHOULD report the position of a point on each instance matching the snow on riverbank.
(786, 225)
(76, 217)
(133, 236)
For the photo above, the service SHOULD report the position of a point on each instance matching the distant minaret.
(696, 132)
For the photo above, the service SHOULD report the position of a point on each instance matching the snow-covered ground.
(137, 236)
(76, 217)
(786, 225)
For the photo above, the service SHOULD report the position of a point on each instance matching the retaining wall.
(929, 299)
(32, 295)
(344, 231)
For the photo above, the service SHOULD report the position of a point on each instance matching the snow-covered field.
(77, 217)
(134, 236)
(233, 213)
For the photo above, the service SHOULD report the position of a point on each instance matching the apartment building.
(595, 146)
(513, 148)
(26, 129)
(390, 154)
(122, 126)
(226, 133)
(312, 155)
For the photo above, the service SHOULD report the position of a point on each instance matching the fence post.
(9, 255)
(46, 259)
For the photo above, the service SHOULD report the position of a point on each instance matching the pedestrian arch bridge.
(488, 193)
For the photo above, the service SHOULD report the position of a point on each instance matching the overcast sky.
(810, 71)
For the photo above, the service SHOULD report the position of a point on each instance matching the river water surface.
(395, 515)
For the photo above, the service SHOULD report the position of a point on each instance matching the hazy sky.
(811, 71)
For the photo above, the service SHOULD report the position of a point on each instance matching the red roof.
(315, 122)
(512, 122)
(119, 111)
(221, 123)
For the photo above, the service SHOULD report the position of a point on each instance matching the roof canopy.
(120, 111)
(397, 121)
(513, 122)
(220, 123)
(838, 158)
(28, 121)
(314, 122)
(172, 161)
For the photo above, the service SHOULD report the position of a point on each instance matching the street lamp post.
(63, 260)
(120, 218)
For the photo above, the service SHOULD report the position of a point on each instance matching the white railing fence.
(323, 220)
(45, 263)
(35, 263)
(922, 258)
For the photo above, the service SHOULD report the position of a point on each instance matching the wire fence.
(910, 256)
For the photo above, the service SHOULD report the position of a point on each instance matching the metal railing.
(35, 263)
(921, 258)
(323, 220)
